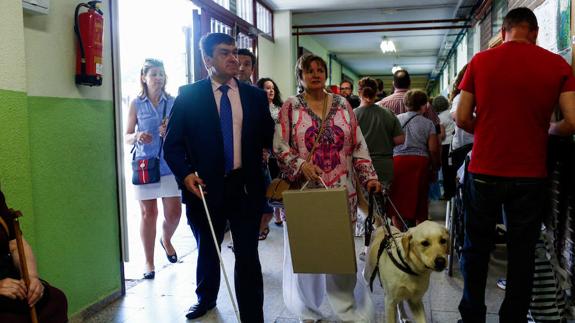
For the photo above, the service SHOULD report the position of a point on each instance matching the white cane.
(219, 253)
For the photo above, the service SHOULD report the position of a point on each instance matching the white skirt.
(166, 187)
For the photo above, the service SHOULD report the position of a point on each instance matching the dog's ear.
(405, 242)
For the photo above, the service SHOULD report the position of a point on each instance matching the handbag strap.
(133, 150)
(405, 124)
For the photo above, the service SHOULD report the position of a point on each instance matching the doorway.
(161, 30)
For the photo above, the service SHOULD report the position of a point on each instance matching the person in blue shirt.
(147, 122)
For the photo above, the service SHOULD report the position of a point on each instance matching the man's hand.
(13, 288)
(374, 185)
(193, 183)
(310, 171)
(35, 291)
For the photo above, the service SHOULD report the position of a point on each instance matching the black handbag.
(147, 171)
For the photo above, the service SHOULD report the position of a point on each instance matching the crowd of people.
(224, 138)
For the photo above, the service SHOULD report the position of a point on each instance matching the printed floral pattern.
(341, 150)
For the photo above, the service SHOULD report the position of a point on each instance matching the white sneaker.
(502, 283)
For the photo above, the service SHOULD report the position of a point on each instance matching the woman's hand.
(311, 171)
(143, 137)
(163, 127)
(373, 185)
(13, 288)
(266, 154)
(35, 291)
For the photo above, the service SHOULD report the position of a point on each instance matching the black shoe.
(171, 258)
(199, 310)
(150, 275)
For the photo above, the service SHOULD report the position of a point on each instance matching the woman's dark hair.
(277, 100)
(379, 85)
(455, 90)
(150, 63)
(414, 100)
(3, 207)
(367, 88)
(439, 104)
(304, 64)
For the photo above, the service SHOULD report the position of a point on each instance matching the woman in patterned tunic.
(341, 151)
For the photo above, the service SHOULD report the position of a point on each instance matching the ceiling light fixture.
(396, 68)
(387, 46)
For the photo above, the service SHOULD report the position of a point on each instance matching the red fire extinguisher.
(89, 28)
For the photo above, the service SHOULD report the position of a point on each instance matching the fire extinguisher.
(89, 28)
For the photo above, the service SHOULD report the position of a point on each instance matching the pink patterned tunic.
(341, 149)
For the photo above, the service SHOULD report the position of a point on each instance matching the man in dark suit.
(215, 138)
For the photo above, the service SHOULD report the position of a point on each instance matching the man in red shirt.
(514, 89)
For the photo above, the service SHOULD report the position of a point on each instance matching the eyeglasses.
(345, 88)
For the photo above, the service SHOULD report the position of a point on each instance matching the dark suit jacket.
(194, 142)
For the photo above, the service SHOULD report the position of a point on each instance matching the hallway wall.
(277, 58)
(309, 43)
(57, 153)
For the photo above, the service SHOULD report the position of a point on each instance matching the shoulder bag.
(147, 171)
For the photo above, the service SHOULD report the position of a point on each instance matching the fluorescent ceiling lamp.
(396, 68)
(387, 46)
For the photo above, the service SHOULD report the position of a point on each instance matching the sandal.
(264, 234)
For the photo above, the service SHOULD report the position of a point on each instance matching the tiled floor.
(167, 298)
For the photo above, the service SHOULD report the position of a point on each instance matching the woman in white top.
(462, 141)
(271, 169)
(441, 106)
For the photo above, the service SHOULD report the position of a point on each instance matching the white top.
(237, 115)
(448, 123)
(461, 137)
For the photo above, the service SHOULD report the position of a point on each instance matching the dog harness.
(401, 264)
(385, 243)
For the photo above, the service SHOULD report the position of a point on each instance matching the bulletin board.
(554, 19)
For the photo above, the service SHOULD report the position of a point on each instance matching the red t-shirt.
(516, 88)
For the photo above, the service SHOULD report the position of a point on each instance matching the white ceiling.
(417, 51)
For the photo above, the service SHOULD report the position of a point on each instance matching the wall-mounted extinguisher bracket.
(89, 29)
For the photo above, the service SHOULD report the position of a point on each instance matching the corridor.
(167, 298)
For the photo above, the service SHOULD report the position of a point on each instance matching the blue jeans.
(523, 201)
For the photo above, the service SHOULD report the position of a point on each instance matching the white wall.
(276, 59)
(50, 53)
(266, 58)
(12, 58)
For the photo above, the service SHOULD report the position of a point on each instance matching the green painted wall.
(15, 176)
(74, 189)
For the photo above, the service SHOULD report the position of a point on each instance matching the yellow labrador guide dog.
(404, 262)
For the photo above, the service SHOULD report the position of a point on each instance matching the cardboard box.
(320, 231)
